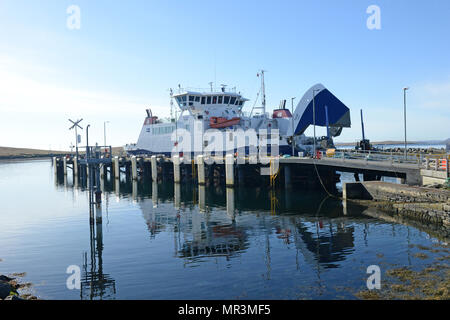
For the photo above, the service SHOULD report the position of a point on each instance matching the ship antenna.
(263, 91)
(211, 85)
(171, 103)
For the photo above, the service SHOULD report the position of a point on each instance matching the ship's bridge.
(211, 102)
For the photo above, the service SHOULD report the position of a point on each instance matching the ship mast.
(263, 91)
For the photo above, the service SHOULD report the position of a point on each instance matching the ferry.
(207, 114)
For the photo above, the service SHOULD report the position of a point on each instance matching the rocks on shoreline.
(9, 287)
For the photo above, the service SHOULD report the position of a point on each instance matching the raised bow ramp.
(328, 109)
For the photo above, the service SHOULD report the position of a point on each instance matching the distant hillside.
(17, 153)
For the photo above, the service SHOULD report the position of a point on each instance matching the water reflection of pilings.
(206, 221)
(95, 284)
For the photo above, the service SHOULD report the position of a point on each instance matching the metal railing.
(437, 162)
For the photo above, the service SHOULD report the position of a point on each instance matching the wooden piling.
(229, 170)
(55, 165)
(134, 168)
(65, 165)
(116, 167)
(75, 166)
(176, 169)
(154, 168)
(201, 170)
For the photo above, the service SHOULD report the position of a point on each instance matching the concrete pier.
(134, 168)
(201, 170)
(154, 168)
(229, 170)
(176, 169)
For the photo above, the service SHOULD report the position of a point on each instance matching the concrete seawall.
(427, 205)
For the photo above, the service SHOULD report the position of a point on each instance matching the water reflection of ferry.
(323, 242)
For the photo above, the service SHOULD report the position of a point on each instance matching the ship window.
(208, 100)
(232, 100)
(183, 98)
(148, 129)
(191, 103)
(203, 100)
(220, 100)
(241, 102)
(197, 99)
(214, 99)
(191, 98)
(237, 102)
(226, 99)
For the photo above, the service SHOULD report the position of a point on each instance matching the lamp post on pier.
(404, 114)
(314, 119)
(104, 132)
(292, 137)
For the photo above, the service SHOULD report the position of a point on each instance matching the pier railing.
(438, 162)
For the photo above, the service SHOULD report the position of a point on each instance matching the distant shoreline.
(9, 153)
(425, 143)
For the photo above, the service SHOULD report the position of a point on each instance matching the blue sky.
(127, 54)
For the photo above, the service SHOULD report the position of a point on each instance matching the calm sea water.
(160, 241)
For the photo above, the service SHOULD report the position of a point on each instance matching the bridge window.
(203, 100)
(208, 100)
(191, 98)
(214, 99)
(226, 100)
(220, 100)
(232, 100)
(197, 99)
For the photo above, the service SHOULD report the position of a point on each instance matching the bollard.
(229, 170)
(176, 169)
(201, 170)
(134, 167)
(154, 168)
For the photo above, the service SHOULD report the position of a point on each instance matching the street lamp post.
(104, 132)
(314, 120)
(404, 114)
(292, 137)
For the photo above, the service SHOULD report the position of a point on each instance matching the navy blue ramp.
(325, 103)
